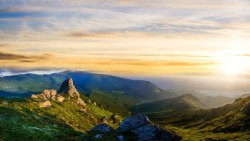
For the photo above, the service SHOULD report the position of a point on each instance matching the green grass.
(116, 102)
(22, 119)
(194, 134)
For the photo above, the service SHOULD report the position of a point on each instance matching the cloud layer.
(165, 36)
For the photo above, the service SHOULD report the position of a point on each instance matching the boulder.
(60, 98)
(46, 94)
(102, 128)
(49, 93)
(44, 104)
(133, 122)
(151, 132)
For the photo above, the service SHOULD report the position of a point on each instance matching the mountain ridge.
(85, 82)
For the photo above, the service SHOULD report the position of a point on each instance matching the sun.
(232, 64)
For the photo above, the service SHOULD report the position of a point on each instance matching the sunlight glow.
(232, 64)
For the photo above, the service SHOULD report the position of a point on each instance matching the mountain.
(188, 117)
(244, 95)
(209, 101)
(85, 82)
(214, 101)
(229, 118)
(229, 122)
(168, 108)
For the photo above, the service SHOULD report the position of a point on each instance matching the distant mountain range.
(85, 82)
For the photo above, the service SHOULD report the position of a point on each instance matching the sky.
(127, 37)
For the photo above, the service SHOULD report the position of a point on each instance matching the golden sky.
(134, 37)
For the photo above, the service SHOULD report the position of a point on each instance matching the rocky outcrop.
(102, 128)
(46, 95)
(66, 91)
(68, 87)
(140, 128)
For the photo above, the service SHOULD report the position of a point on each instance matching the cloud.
(18, 57)
(12, 72)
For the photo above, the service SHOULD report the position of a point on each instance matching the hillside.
(51, 116)
(229, 118)
(229, 122)
(168, 108)
(214, 101)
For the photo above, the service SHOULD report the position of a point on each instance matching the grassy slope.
(228, 122)
(169, 108)
(24, 120)
(195, 134)
(115, 102)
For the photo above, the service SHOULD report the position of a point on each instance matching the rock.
(102, 128)
(120, 138)
(68, 87)
(34, 96)
(60, 98)
(44, 104)
(98, 136)
(144, 130)
(151, 132)
(133, 122)
(46, 94)
(49, 93)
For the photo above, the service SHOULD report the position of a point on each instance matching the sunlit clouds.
(126, 37)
